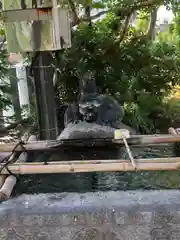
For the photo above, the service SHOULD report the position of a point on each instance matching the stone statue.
(94, 107)
(93, 113)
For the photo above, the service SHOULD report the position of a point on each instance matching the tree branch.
(85, 19)
(2, 43)
(123, 12)
(124, 27)
(99, 14)
(146, 4)
(128, 13)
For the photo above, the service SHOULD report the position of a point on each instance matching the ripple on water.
(104, 181)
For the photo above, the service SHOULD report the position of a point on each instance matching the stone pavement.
(135, 215)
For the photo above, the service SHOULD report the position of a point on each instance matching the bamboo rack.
(21, 167)
(54, 145)
(7, 183)
(158, 164)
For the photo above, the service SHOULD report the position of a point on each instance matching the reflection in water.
(84, 182)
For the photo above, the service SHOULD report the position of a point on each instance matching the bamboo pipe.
(10, 181)
(172, 131)
(50, 145)
(151, 139)
(8, 184)
(149, 160)
(7, 188)
(4, 177)
(2, 180)
(24, 155)
(68, 167)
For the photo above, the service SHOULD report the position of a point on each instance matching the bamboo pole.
(151, 139)
(5, 181)
(52, 144)
(93, 166)
(2, 180)
(9, 182)
(145, 160)
(7, 188)
(172, 131)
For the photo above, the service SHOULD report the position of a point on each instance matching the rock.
(84, 130)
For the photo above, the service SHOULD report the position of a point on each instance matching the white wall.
(22, 88)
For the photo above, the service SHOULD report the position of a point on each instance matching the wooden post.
(45, 98)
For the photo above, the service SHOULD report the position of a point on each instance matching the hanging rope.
(9, 159)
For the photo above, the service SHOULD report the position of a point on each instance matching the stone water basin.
(98, 181)
(95, 206)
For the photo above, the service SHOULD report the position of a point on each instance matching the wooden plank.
(27, 15)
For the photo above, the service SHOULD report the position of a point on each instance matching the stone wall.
(147, 215)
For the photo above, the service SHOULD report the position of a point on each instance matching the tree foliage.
(138, 71)
(129, 62)
(4, 88)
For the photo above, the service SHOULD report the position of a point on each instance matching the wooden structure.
(38, 28)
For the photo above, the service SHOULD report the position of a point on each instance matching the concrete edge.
(75, 202)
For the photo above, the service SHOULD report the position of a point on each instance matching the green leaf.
(98, 5)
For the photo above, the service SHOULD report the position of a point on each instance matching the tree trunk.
(152, 24)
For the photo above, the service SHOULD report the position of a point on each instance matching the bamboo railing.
(158, 164)
(54, 144)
